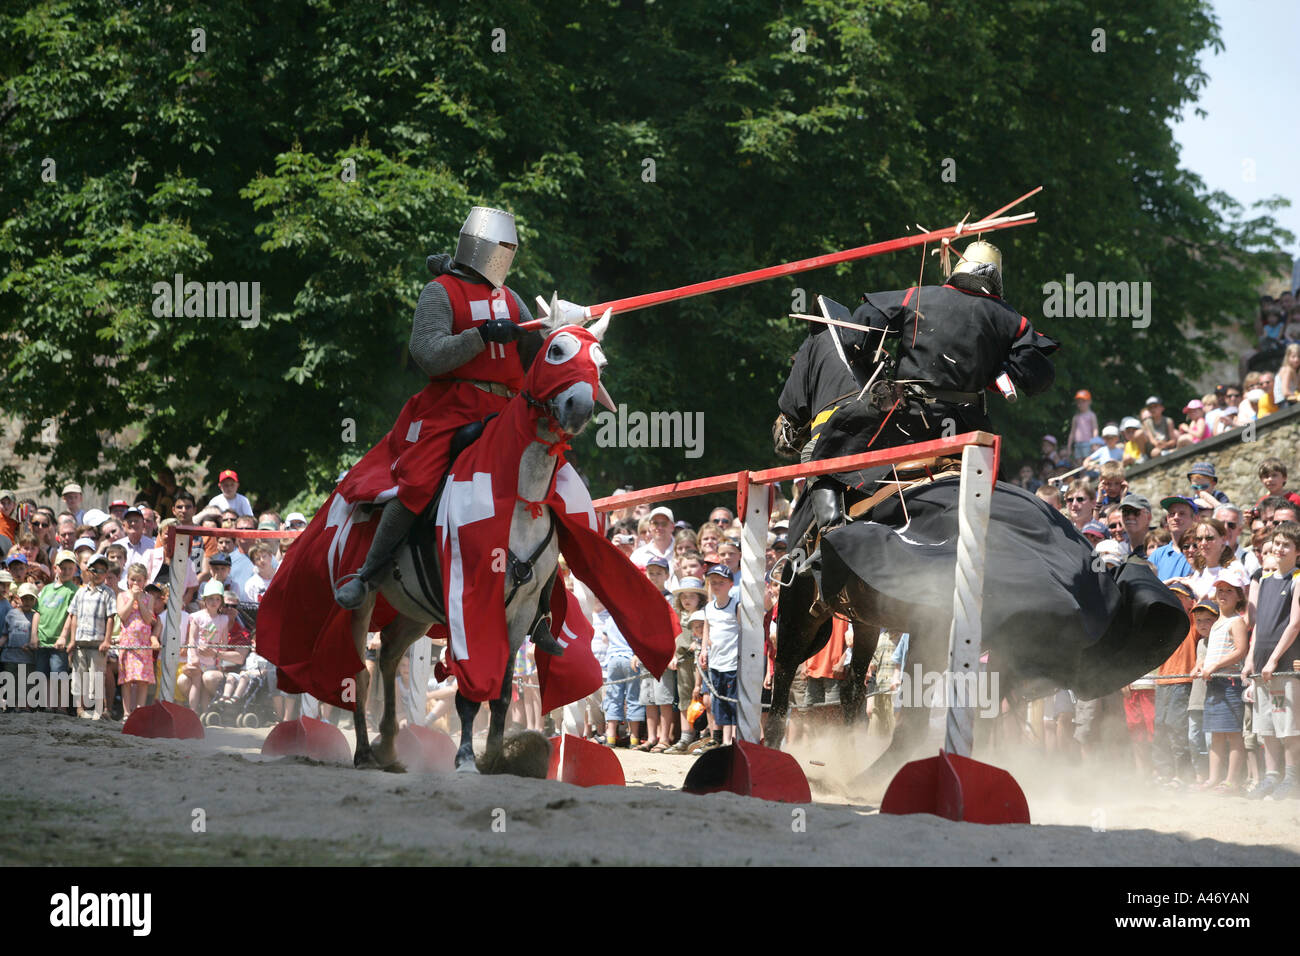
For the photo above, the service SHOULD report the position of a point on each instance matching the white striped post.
(172, 638)
(754, 503)
(975, 499)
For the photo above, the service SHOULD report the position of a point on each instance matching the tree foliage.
(776, 132)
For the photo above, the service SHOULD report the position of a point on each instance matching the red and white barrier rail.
(980, 453)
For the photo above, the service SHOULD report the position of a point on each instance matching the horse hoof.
(466, 766)
(365, 761)
(395, 767)
(465, 762)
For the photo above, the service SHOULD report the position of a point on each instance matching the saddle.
(421, 540)
(911, 474)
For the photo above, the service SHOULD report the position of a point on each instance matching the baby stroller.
(254, 708)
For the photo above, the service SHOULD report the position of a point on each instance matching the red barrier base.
(307, 737)
(586, 764)
(751, 770)
(957, 788)
(421, 750)
(164, 719)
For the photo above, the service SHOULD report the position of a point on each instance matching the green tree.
(774, 132)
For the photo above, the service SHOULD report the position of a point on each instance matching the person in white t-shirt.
(230, 498)
(261, 579)
(660, 544)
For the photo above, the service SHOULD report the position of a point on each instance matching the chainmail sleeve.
(435, 348)
(438, 351)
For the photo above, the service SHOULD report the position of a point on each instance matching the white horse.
(532, 560)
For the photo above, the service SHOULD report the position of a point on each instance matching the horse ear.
(601, 326)
(553, 320)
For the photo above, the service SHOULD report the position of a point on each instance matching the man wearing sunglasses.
(1230, 515)
(1169, 560)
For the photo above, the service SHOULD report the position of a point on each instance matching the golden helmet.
(978, 253)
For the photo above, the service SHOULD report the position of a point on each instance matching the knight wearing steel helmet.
(466, 338)
(954, 345)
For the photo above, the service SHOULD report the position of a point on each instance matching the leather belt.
(496, 388)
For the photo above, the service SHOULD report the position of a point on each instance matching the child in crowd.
(209, 631)
(1275, 611)
(135, 614)
(1272, 475)
(1083, 426)
(1196, 428)
(264, 560)
(1224, 709)
(658, 695)
(688, 599)
(90, 624)
(1111, 486)
(238, 682)
(622, 698)
(721, 649)
(18, 639)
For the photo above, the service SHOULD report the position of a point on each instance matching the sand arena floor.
(88, 795)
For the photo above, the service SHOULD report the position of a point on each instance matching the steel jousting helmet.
(983, 260)
(487, 244)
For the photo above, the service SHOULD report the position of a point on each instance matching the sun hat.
(64, 555)
(1109, 431)
(71, 488)
(1135, 501)
(696, 616)
(84, 543)
(6, 577)
(97, 560)
(1130, 422)
(1152, 400)
(685, 585)
(661, 510)
(29, 590)
(718, 570)
(657, 562)
(1232, 575)
(94, 517)
(296, 516)
(1205, 604)
(1203, 468)
(1083, 393)
(1193, 405)
(1051, 438)
(1097, 528)
(214, 589)
(1183, 588)
(228, 473)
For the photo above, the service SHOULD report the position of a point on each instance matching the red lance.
(646, 300)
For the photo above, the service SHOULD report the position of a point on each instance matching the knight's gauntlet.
(787, 439)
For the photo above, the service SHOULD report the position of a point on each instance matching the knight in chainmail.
(466, 338)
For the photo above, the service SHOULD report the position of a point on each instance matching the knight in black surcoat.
(954, 345)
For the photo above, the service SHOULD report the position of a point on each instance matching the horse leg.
(928, 648)
(499, 707)
(853, 696)
(394, 642)
(467, 711)
(796, 630)
(363, 758)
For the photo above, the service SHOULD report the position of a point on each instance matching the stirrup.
(367, 585)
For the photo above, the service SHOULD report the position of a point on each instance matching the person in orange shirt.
(8, 524)
(1170, 750)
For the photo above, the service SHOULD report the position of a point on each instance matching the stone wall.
(1236, 456)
